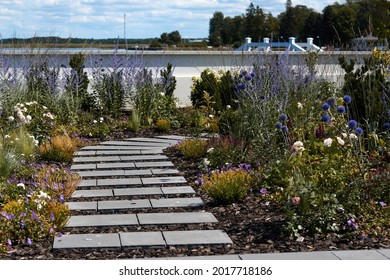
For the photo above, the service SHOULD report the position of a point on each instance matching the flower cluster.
(281, 124)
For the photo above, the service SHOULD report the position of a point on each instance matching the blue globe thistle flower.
(253, 74)
(341, 109)
(325, 106)
(352, 124)
(241, 86)
(248, 77)
(359, 131)
(278, 125)
(241, 76)
(386, 126)
(331, 101)
(244, 72)
(284, 128)
(325, 118)
(283, 117)
(347, 99)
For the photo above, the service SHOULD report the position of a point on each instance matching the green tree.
(215, 29)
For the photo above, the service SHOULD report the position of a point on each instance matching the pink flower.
(297, 148)
(296, 199)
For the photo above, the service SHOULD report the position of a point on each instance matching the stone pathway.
(132, 185)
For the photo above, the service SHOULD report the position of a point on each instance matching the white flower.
(211, 116)
(228, 107)
(162, 93)
(49, 115)
(297, 148)
(206, 162)
(352, 136)
(340, 141)
(28, 118)
(210, 150)
(300, 106)
(11, 118)
(44, 107)
(21, 185)
(94, 121)
(345, 135)
(328, 142)
(101, 119)
(7, 136)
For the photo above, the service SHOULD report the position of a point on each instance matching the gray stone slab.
(359, 255)
(102, 220)
(152, 151)
(114, 148)
(87, 183)
(119, 182)
(196, 237)
(123, 204)
(134, 143)
(320, 255)
(144, 157)
(152, 140)
(119, 152)
(153, 164)
(165, 171)
(177, 202)
(101, 173)
(101, 240)
(212, 257)
(385, 252)
(138, 172)
(142, 239)
(137, 191)
(177, 190)
(96, 159)
(173, 137)
(85, 153)
(163, 180)
(82, 205)
(176, 218)
(112, 165)
(92, 193)
(87, 166)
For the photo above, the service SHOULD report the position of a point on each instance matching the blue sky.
(105, 18)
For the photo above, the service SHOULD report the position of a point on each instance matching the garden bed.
(255, 225)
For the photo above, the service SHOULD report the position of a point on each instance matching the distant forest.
(336, 26)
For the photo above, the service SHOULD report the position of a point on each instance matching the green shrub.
(227, 186)
(193, 148)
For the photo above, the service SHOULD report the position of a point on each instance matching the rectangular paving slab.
(177, 202)
(153, 164)
(142, 239)
(119, 152)
(100, 240)
(111, 148)
(119, 182)
(134, 143)
(151, 151)
(385, 252)
(102, 220)
(176, 218)
(196, 237)
(138, 172)
(165, 171)
(82, 205)
(137, 191)
(87, 166)
(96, 159)
(153, 140)
(113, 165)
(173, 137)
(359, 255)
(123, 204)
(85, 153)
(178, 190)
(143, 157)
(163, 180)
(92, 193)
(87, 183)
(321, 255)
(101, 173)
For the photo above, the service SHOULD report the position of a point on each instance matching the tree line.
(336, 26)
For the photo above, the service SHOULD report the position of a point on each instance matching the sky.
(125, 18)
